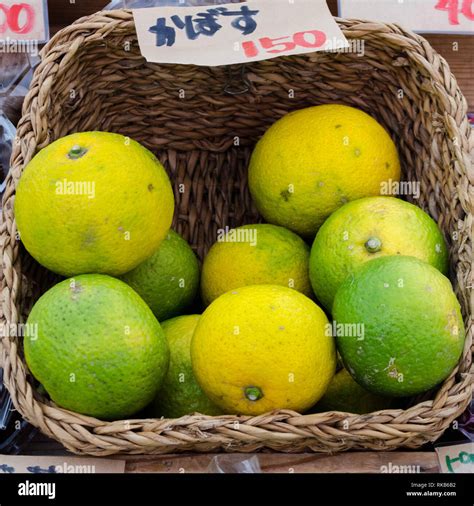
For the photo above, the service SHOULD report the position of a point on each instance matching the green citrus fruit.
(312, 161)
(180, 393)
(254, 255)
(413, 332)
(366, 229)
(263, 347)
(93, 202)
(169, 280)
(99, 350)
(345, 394)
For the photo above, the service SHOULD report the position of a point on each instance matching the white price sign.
(457, 458)
(424, 16)
(24, 20)
(236, 33)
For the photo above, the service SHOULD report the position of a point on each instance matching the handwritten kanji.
(165, 35)
(245, 21)
(463, 458)
(40, 470)
(203, 23)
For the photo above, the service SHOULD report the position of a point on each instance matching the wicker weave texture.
(92, 77)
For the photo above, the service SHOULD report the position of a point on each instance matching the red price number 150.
(454, 7)
(308, 39)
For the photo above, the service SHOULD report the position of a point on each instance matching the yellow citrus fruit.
(412, 328)
(255, 255)
(93, 202)
(98, 349)
(345, 394)
(180, 393)
(312, 161)
(370, 228)
(169, 280)
(263, 347)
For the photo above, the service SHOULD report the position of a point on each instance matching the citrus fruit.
(263, 347)
(345, 394)
(180, 393)
(312, 161)
(413, 332)
(93, 202)
(169, 280)
(254, 255)
(366, 229)
(99, 350)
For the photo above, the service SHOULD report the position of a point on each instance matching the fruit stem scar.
(285, 194)
(373, 245)
(76, 152)
(76, 288)
(253, 393)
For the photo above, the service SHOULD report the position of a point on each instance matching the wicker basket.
(90, 79)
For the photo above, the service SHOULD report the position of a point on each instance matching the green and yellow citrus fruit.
(254, 255)
(413, 332)
(180, 393)
(263, 347)
(312, 161)
(93, 202)
(98, 350)
(345, 394)
(169, 280)
(366, 229)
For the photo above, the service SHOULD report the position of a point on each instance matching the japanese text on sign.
(424, 16)
(236, 33)
(10, 464)
(204, 23)
(458, 458)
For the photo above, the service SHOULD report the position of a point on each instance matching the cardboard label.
(236, 33)
(55, 465)
(424, 16)
(457, 458)
(24, 20)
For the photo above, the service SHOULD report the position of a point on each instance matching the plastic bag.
(15, 79)
(7, 136)
(14, 431)
(231, 463)
(466, 422)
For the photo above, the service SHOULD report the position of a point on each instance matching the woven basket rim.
(275, 429)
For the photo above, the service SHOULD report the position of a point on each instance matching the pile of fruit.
(339, 302)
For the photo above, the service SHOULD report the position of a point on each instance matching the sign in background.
(10, 464)
(457, 458)
(236, 33)
(424, 16)
(24, 20)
